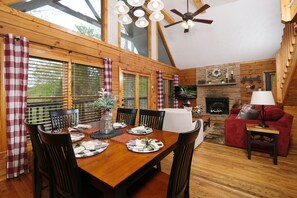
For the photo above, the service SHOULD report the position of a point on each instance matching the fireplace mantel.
(215, 84)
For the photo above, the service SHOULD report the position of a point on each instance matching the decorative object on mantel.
(215, 75)
(251, 79)
(201, 82)
(231, 80)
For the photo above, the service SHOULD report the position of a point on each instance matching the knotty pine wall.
(52, 41)
(252, 69)
(187, 77)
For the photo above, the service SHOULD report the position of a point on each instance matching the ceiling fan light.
(190, 23)
(125, 19)
(121, 8)
(139, 12)
(156, 16)
(155, 5)
(185, 25)
(136, 3)
(141, 22)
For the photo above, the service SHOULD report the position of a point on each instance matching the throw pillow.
(248, 112)
(273, 113)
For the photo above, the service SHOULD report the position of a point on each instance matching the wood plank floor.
(217, 171)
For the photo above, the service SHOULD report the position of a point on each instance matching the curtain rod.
(52, 47)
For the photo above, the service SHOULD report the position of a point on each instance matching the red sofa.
(236, 135)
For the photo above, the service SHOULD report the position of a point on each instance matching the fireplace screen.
(217, 105)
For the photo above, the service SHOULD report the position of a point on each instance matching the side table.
(267, 136)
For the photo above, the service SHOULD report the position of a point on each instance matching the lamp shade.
(141, 22)
(125, 19)
(136, 3)
(121, 8)
(156, 16)
(262, 98)
(155, 5)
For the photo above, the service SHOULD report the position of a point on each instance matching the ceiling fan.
(188, 17)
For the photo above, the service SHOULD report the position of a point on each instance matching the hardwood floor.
(217, 171)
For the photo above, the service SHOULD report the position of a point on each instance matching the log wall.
(45, 37)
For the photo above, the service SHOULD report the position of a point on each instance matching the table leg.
(249, 144)
(275, 149)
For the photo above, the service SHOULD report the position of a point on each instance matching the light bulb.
(121, 9)
(155, 4)
(157, 16)
(125, 19)
(185, 25)
(136, 1)
(141, 23)
(190, 23)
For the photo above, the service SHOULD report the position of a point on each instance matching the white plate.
(139, 146)
(145, 131)
(117, 125)
(89, 148)
(76, 136)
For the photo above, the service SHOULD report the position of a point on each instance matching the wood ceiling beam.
(199, 4)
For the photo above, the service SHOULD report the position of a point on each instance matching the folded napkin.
(76, 136)
(93, 144)
(79, 127)
(117, 125)
(139, 129)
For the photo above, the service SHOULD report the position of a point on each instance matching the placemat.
(124, 138)
(99, 135)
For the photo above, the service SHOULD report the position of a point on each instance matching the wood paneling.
(253, 69)
(187, 77)
(291, 98)
(293, 111)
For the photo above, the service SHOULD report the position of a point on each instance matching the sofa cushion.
(273, 113)
(248, 112)
(235, 111)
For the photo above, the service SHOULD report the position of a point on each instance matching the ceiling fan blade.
(200, 10)
(177, 12)
(186, 30)
(166, 26)
(203, 21)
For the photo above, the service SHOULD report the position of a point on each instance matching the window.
(135, 91)
(80, 16)
(129, 91)
(86, 83)
(44, 89)
(48, 89)
(134, 39)
(143, 92)
(168, 93)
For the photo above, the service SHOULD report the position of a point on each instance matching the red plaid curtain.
(108, 75)
(175, 83)
(160, 90)
(16, 83)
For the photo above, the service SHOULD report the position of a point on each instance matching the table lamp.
(262, 98)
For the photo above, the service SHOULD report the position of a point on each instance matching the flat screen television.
(185, 92)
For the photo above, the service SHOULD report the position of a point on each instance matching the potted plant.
(105, 102)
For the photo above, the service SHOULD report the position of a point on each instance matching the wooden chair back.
(63, 164)
(40, 161)
(64, 118)
(126, 115)
(151, 118)
(181, 165)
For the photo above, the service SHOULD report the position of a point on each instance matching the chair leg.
(37, 182)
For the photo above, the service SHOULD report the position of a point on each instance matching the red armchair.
(236, 135)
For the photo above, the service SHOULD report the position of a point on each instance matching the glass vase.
(106, 123)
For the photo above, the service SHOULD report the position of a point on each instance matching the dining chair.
(63, 118)
(63, 165)
(126, 115)
(151, 118)
(41, 169)
(176, 185)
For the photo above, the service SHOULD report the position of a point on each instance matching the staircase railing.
(286, 61)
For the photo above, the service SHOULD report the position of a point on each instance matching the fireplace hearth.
(217, 105)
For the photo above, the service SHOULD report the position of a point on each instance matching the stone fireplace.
(217, 105)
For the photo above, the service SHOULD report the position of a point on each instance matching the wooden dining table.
(116, 168)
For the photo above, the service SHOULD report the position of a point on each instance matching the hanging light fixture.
(137, 6)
